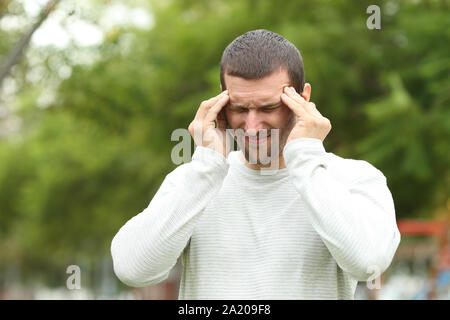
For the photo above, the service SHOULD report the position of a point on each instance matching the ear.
(306, 94)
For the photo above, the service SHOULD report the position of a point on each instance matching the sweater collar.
(237, 164)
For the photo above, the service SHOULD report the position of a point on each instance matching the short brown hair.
(258, 53)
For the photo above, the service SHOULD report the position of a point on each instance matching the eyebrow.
(267, 105)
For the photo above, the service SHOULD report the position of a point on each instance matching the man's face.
(256, 105)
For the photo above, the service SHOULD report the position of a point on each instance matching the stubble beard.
(278, 138)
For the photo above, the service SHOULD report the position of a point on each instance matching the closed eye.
(269, 109)
(241, 109)
(237, 109)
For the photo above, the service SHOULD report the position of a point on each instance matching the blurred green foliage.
(83, 166)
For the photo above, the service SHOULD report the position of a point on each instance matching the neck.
(281, 164)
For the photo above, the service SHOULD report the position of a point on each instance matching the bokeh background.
(91, 90)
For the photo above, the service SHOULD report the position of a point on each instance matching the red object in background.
(419, 227)
(437, 228)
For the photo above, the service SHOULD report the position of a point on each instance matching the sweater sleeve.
(147, 247)
(354, 218)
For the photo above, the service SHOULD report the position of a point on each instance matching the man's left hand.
(309, 122)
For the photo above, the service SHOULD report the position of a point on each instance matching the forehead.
(264, 90)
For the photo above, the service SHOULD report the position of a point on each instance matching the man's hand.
(203, 128)
(309, 122)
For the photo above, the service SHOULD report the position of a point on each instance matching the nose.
(253, 123)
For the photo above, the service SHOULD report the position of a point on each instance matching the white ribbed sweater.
(310, 231)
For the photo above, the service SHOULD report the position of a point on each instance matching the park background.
(91, 90)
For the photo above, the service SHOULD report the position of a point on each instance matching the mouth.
(255, 141)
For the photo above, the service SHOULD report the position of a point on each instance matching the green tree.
(95, 157)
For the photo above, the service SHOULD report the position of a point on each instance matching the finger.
(309, 106)
(207, 104)
(214, 110)
(290, 91)
(312, 107)
(294, 106)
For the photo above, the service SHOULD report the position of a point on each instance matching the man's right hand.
(203, 128)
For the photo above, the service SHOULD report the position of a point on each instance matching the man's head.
(255, 67)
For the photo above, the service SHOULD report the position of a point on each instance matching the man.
(310, 230)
